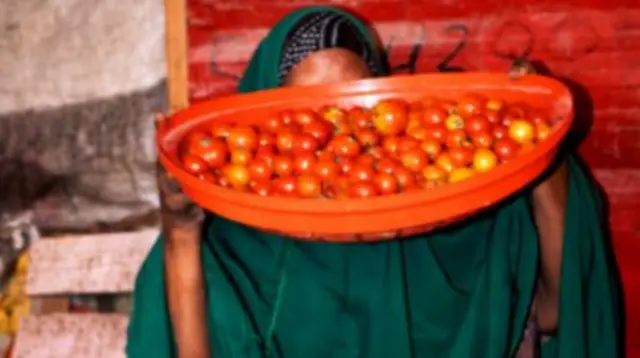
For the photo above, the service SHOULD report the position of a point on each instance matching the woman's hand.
(182, 222)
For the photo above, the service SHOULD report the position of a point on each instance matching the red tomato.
(386, 183)
(505, 148)
(482, 140)
(285, 185)
(212, 150)
(345, 146)
(266, 140)
(209, 177)
(194, 138)
(359, 118)
(406, 144)
(221, 129)
(405, 177)
(303, 163)
(326, 170)
(366, 159)
(522, 131)
(360, 172)
(304, 116)
(543, 131)
(454, 122)
(390, 145)
(337, 188)
(266, 155)
(484, 160)
(437, 133)
(283, 165)
(346, 164)
(238, 175)
(390, 117)
(320, 130)
(494, 105)
(414, 160)
(259, 170)
(419, 133)
(432, 147)
(305, 143)
(386, 165)
(363, 190)
(470, 105)
(242, 137)
(260, 187)
(287, 117)
(458, 138)
(194, 165)
(433, 176)
(367, 137)
(284, 140)
(434, 115)
(273, 124)
(461, 157)
(377, 152)
(223, 181)
(477, 124)
(500, 132)
(538, 117)
(308, 186)
(325, 156)
(493, 117)
(241, 156)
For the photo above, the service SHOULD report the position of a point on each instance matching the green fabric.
(460, 293)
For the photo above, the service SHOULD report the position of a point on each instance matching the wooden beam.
(72, 336)
(87, 264)
(176, 47)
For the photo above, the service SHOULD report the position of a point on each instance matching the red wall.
(596, 45)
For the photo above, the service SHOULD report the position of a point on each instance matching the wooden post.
(176, 47)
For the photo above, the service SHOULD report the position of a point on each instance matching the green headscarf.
(459, 293)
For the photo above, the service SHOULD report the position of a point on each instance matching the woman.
(462, 292)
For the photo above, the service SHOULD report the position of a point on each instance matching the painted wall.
(595, 44)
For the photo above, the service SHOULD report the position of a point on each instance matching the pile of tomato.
(396, 146)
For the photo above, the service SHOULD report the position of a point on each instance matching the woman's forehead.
(329, 65)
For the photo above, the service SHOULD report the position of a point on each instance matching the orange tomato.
(484, 160)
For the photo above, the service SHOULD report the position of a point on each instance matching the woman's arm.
(549, 201)
(182, 224)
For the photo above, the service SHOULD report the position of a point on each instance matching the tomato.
(419, 133)
(437, 133)
(287, 117)
(477, 124)
(431, 147)
(461, 174)
(194, 165)
(273, 124)
(522, 131)
(346, 164)
(386, 165)
(493, 117)
(434, 175)
(445, 162)
(266, 155)
(304, 143)
(377, 152)
(414, 160)
(285, 185)
(212, 150)
(337, 188)
(470, 105)
(266, 140)
(209, 177)
(366, 159)
(345, 146)
(242, 137)
(406, 178)
(386, 183)
(304, 116)
(303, 163)
(241, 156)
(363, 189)
(360, 172)
(320, 130)
(543, 131)
(406, 144)
(284, 140)
(390, 117)
(326, 156)
(308, 186)
(484, 160)
(283, 165)
(260, 187)
(505, 148)
(259, 170)
(238, 175)
(500, 132)
(223, 181)
(326, 170)
(494, 105)
(221, 129)
(457, 138)
(434, 115)
(367, 137)
(390, 145)
(333, 114)
(194, 139)
(538, 117)
(454, 122)
(359, 118)
(461, 157)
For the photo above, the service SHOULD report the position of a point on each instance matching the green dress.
(464, 292)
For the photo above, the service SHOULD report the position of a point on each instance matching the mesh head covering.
(322, 30)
